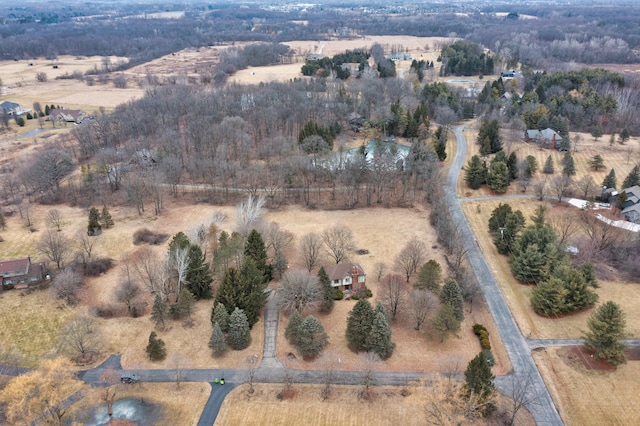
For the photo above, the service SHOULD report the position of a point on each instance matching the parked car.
(129, 378)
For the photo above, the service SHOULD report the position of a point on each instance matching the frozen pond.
(455, 80)
(135, 410)
(396, 151)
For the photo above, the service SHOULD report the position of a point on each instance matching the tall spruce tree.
(475, 173)
(311, 338)
(498, 177)
(328, 296)
(198, 274)
(217, 342)
(606, 333)
(569, 168)
(359, 323)
(633, 178)
(256, 250)
(446, 322)
(512, 165)
(452, 295)
(505, 224)
(610, 180)
(549, 168)
(440, 143)
(379, 340)
(479, 379)
(429, 277)
(105, 217)
(159, 312)
(220, 316)
(489, 137)
(94, 226)
(239, 331)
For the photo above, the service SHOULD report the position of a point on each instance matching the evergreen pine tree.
(310, 338)
(328, 297)
(512, 165)
(529, 265)
(159, 312)
(239, 336)
(253, 286)
(452, 295)
(291, 332)
(532, 166)
(94, 226)
(478, 378)
(156, 350)
(569, 168)
(446, 322)
(220, 316)
(198, 274)
(610, 180)
(548, 297)
(185, 303)
(107, 220)
(606, 333)
(440, 143)
(256, 250)
(474, 173)
(379, 340)
(549, 168)
(3, 223)
(498, 177)
(359, 323)
(632, 179)
(429, 276)
(217, 342)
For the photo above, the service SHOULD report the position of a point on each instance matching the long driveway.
(544, 410)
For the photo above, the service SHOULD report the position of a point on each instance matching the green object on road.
(216, 381)
(222, 381)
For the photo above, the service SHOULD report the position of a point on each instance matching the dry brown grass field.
(622, 158)
(343, 407)
(588, 397)
(517, 295)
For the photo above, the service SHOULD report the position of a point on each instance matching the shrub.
(98, 267)
(156, 350)
(483, 336)
(104, 311)
(365, 293)
(146, 236)
(339, 295)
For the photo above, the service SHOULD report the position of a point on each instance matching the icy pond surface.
(135, 410)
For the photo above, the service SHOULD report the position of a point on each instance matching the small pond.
(133, 409)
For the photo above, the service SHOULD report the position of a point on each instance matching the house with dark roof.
(67, 115)
(631, 206)
(347, 276)
(21, 273)
(547, 138)
(12, 108)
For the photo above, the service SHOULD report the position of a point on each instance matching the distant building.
(547, 138)
(12, 108)
(67, 115)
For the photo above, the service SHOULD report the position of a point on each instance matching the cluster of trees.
(307, 335)
(465, 58)
(538, 258)
(231, 330)
(327, 66)
(368, 330)
(99, 220)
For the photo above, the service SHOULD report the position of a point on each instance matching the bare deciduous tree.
(560, 186)
(411, 257)
(522, 393)
(148, 268)
(422, 303)
(79, 338)
(55, 246)
(127, 289)
(311, 249)
(54, 219)
(393, 294)
(178, 262)
(299, 290)
(329, 360)
(339, 242)
(587, 186)
(565, 224)
(252, 365)
(86, 244)
(277, 239)
(369, 362)
(540, 189)
(66, 285)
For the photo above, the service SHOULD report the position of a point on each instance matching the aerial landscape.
(364, 213)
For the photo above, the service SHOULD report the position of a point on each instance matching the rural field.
(388, 406)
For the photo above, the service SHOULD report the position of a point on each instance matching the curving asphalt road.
(544, 410)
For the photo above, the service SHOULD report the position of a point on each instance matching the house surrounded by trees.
(631, 206)
(547, 138)
(20, 273)
(67, 115)
(347, 276)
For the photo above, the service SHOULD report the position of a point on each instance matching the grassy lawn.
(388, 407)
(587, 397)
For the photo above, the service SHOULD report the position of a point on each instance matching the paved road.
(544, 411)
